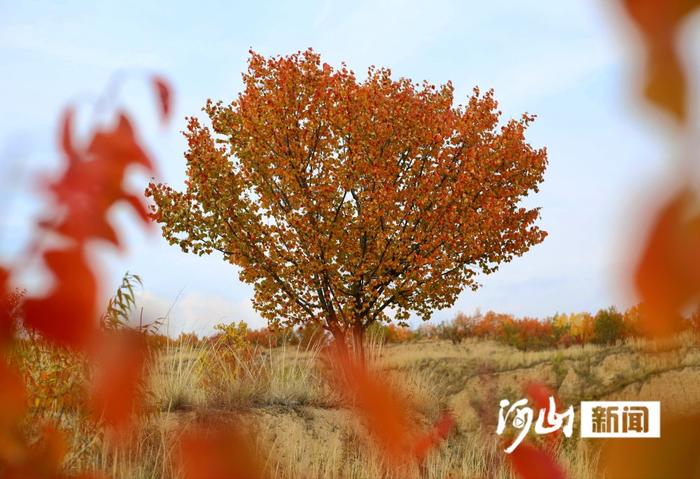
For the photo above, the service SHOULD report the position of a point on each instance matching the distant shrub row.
(607, 326)
(239, 334)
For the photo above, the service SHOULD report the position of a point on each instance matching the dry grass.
(304, 432)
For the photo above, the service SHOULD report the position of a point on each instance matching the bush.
(269, 338)
(382, 333)
(608, 326)
(398, 334)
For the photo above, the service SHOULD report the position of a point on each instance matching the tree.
(609, 326)
(341, 199)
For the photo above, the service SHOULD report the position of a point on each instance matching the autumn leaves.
(93, 181)
(667, 277)
(341, 199)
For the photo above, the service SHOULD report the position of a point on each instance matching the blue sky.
(571, 63)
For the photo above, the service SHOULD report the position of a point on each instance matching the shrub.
(608, 326)
(233, 335)
(269, 338)
(398, 334)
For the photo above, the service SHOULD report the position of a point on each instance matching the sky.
(574, 64)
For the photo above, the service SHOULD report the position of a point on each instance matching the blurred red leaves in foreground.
(430, 440)
(664, 77)
(667, 277)
(389, 418)
(219, 452)
(530, 462)
(164, 96)
(539, 394)
(93, 180)
(82, 197)
(67, 314)
(119, 362)
(673, 455)
(668, 272)
(9, 303)
(14, 405)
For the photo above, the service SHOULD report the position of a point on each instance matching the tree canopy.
(343, 199)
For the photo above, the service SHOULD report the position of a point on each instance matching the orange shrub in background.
(398, 334)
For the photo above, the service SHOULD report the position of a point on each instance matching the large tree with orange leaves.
(341, 200)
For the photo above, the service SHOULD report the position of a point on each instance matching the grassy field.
(296, 421)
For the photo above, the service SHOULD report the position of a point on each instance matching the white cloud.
(195, 312)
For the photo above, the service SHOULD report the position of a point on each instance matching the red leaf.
(225, 453)
(665, 82)
(93, 181)
(119, 365)
(529, 462)
(389, 418)
(164, 96)
(6, 307)
(13, 404)
(119, 147)
(67, 137)
(45, 457)
(540, 394)
(668, 271)
(68, 314)
(383, 411)
(434, 437)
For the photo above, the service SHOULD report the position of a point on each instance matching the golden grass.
(303, 432)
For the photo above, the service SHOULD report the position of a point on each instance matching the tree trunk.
(339, 341)
(358, 336)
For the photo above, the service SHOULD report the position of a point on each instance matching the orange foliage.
(398, 334)
(265, 337)
(370, 195)
(305, 139)
(607, 326)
